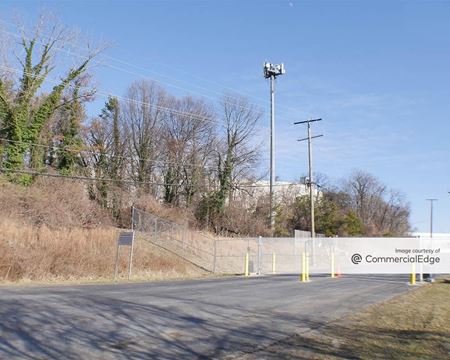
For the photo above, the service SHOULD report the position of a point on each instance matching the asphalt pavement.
(196, 319)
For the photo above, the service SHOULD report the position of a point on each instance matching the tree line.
(360, 205)
(184, 151)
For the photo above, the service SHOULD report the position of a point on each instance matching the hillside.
(52, 231)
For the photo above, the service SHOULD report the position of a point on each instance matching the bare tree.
(238, 154)
(365, 191)
(392, 217)
(382, 211)
(143, 114)
(97, 137)
(189, 134)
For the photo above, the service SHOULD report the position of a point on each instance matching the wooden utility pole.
(310, 181)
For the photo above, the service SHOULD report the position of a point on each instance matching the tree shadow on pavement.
(179, 322)
(73, 327)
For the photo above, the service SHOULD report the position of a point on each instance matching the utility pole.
(431, 230)
(431, 215)
(271, 71)
(310, 181)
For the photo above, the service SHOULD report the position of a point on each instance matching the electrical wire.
(129, 100)
(170, 110)
(87, 178)
(68, 52)
(96, 152)
(95, 62)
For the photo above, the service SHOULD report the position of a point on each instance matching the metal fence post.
(259, 254)
(182, 231)
(274, 263)
(132, 217)
(303, 275)
(307, 266)
(246, 272)
(131, 258)
(215, 256)
(116, 268)
(332, 263)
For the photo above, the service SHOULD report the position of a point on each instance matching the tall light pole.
(271, 71)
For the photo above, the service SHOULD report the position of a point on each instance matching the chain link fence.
(228, 255)
(192, 246)
(273, 255)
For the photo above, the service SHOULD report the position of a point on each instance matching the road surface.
(199, 319)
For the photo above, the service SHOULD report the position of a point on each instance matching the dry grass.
(52, 231)
(39, 253)
(51, 202)
(411, 326)
(174, 214)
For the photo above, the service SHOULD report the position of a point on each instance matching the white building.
(250, 192)
(427, 235)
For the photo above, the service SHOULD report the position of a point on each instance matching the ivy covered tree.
(25, 109)
(71, 116)
(110, 116)
(106, 141)
(116, 146)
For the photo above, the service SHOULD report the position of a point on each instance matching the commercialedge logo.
(356, 258)
(417, 259)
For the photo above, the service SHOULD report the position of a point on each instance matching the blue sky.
(377, 72)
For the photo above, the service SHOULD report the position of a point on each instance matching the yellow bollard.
(273, 263)
(246, 265)
(332, 264)
(246, 273)
(413, 275)
(307, 267)
(303, 276)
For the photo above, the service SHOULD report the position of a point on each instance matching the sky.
(376, 72)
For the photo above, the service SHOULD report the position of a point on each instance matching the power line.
(138, 102)
(122, 98)
(87, 178)
(68, 52)
(177, 112)
(170, 110)
(106, 95)
(94, 62)
(78, 177)
(67, 148)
